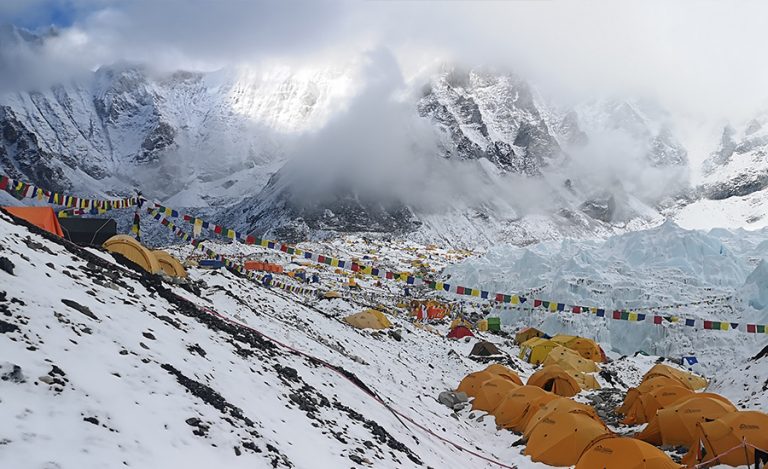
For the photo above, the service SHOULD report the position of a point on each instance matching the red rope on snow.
(367, 391)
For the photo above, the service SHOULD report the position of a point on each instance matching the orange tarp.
(41, 217)
(264, 266)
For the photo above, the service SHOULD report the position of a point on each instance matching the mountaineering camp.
(549, 396)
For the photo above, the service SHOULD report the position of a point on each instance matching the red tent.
(42, 217)
(460, 331)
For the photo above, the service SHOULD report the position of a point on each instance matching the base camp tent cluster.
(559, 431)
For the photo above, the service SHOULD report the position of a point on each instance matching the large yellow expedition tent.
(492, 392)
(368, 319)
(645, 386)
(169, 264)
(726, 432)
(689, 380)
(676, 424)
(519, 406)
(504, 372)
(556, 406)
(587, 348)
(472, 382)
(555, 380)
(560, 439)
(647, 404)
(624, 453)
(527, 333)
(570, 360)
(535, 350)
(134, 251)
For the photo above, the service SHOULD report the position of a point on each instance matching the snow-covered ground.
(102, 366)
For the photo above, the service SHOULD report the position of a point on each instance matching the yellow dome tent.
(624, 453)
(519, 406)
(570, 360)
(134, 251)
(726, 432)
(535, 350)
(368, 319)
(645, 386)
(526, 334)
(482, 325)
(504, 372)
(559, 405)
(460, 322)
(689, 380)
(560, 439)
(587, 348)
(491, 393)
(169, 264)
(676, 424)
(472, 382)
(647, 404)
(554, 379)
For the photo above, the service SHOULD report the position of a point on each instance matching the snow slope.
(144, 380)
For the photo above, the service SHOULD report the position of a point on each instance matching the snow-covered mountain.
(222, 139)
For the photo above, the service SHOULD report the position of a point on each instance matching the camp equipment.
(88, 231)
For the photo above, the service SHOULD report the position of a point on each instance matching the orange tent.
(41, 217)
(504, 372)
(518, 406)
(689, 380)
(472, 382)
(559, 405)
(676, 425)
(624, 453)
(560, 439)
(648, 404)
(644, 387)
(554, 379)
(720, 435)
(491, 393)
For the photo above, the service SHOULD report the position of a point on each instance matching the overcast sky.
(695, 57)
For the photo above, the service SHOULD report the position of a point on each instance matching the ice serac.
(489, 115)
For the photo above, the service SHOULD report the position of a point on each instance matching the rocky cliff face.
(492, 116)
